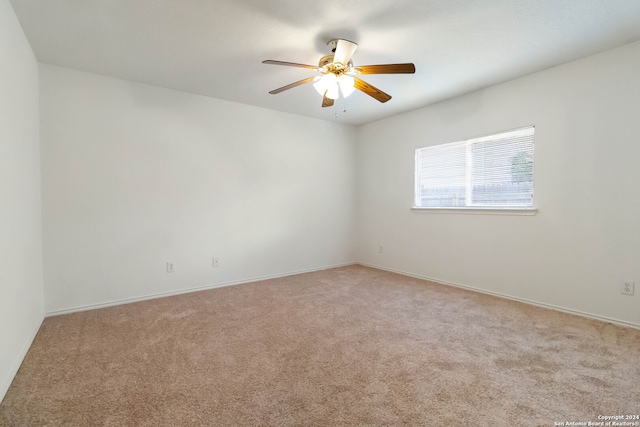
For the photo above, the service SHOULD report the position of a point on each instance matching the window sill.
(479, 211)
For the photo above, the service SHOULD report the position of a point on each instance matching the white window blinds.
(495, 171)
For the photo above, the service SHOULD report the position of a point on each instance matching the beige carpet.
(347, 346)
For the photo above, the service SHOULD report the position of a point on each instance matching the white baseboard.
(186, 291)
(510, 297)
(291, 273)
(6, 382)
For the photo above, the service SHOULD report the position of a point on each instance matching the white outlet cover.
(627, 288)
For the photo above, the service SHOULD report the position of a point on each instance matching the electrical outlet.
(170, 267)
(216, 262)
(627, 288)
(380, 249)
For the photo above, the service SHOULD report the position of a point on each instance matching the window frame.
(471, 209)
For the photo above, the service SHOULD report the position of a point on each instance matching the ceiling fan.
(338, 74)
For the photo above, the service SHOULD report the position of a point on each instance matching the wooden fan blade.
(326, 101)
(291, 85)
(289, 64)
(344, 51)
(407, 68)
(370, 90)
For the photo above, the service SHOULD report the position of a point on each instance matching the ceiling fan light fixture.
(347, 85)
(327, 83)
(331, 85)
(333, 92)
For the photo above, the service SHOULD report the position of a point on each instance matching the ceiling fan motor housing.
(325, 60)
(327, 65)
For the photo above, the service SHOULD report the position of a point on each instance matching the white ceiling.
(215, 47)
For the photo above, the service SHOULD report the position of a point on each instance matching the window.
(492, 172)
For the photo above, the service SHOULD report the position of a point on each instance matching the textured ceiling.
(215, 47)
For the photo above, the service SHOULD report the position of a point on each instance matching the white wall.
(135, 176)
(585, 239)
(21, 293)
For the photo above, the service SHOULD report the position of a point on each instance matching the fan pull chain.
(344, 107)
